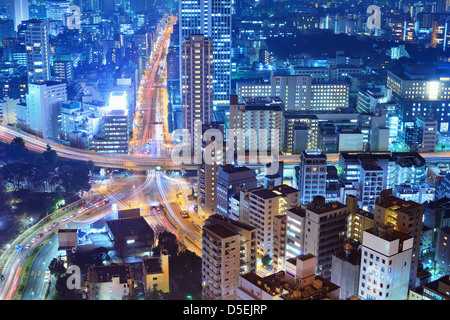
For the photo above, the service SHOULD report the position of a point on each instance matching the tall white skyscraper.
(17, 10)
(38, 51)
(211, 18)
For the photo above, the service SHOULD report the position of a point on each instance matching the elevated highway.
(142, 161)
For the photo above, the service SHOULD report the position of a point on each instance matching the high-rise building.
(224, 242)
(406, 217)
(212, 18)
(261, 206)
(56, 10)
(358, 220)
(420, 90)
(295, 91)
(63, 71)
(230, 181)
(279, 242)
(208, 174)
(197, 89)
(324, 232)
(38, 51)
(295, 232)
(17, 10)
(292, 141)
(385, 264)
(367, 173)
(254, 115)
(312, 175)
(114, 134)
(253, 89)
(43, 108)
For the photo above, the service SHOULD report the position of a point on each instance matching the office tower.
(420, 90)
(230, 181)
(208, 173)
(406, 217)
(295, 91)
(57, 9)
(228, 248)
(212, 18)
(263, 205)
(246, 89)
(324, 232)
(312, 175)
(248, 119)
(114, 134)
(43, 105)
(300, 132)
(442, 255)
(329, 95)
(197, 90)
(38, 51)
(385, 264)
(17, 10)
(63, 71)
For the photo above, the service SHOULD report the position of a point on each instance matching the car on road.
(71, 216)
(39, 235)
(27, 246)
(47, 276)
(184, 214)
(65, 219)
(33, 240)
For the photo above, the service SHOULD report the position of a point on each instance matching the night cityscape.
(237, 150)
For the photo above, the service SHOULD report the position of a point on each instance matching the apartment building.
(228, 248)
(385, 264)
(406, 217)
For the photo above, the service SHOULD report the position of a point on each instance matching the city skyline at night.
(218, 150)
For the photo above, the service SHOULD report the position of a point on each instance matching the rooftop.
(106, 273)
(152, 265)
(129, 227)
(220, 230)
(387, 232)
(273, 192)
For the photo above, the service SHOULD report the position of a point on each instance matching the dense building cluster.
(359, 110)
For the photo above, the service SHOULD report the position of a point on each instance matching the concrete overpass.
(137, 161)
